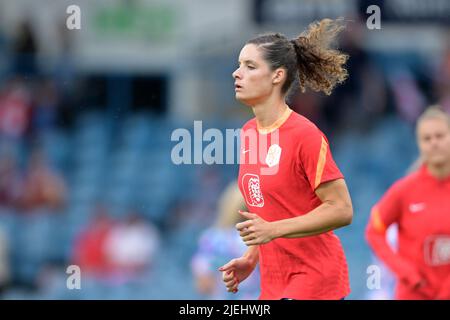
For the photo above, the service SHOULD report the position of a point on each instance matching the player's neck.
(268, 112)
(440, 172)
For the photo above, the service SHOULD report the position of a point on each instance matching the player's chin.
(243, 99)
(240, 96)
(438, 159)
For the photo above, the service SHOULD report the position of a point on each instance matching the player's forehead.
(433, 125)
(250, 53)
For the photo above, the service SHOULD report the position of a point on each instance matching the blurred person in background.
(419, 204)
(15, 109)
(43, 187)
(10, 181)
(88, 249)
(130, 247)
(220, 243)
(293, 212)
(388, 281)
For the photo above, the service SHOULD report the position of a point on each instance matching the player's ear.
(278, 76)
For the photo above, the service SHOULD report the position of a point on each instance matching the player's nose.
(237, 74)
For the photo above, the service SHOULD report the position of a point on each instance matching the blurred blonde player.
(220, 243)
(420, 205)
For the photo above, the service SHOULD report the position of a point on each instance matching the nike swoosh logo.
(416, 207)
(245, 151)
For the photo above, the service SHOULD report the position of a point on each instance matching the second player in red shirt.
(420, 206)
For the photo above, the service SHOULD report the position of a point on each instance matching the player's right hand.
(417, 282)
(236, 271)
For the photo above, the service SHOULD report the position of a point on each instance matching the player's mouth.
(237, 87)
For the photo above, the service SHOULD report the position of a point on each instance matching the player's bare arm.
(335, 211)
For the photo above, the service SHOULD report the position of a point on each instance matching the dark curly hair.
(308, 58)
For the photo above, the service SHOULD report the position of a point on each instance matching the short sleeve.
(388, 209)
(316, 160)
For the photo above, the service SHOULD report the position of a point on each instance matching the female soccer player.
(295, 193)
(420, 205)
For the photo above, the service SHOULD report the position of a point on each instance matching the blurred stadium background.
(86, 118)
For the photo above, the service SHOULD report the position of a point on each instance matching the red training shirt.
(420, 204)
(280, 184)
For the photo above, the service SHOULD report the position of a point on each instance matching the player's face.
(253, 79)
(434, 141)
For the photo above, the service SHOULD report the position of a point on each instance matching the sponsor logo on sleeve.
(437, 250)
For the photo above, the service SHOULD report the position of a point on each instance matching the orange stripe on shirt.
(377, 223)
(321, 162)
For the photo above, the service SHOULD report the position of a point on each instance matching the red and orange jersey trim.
(321, 162)
(276, 124)
(377, 222)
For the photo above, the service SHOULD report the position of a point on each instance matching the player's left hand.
(255, 230)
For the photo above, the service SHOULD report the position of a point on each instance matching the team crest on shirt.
(437, 250)
(252, 190)
(273, 155)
